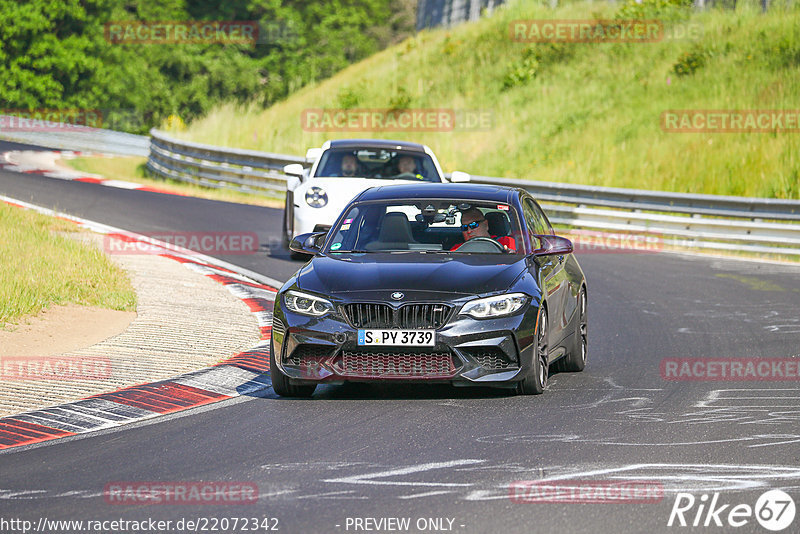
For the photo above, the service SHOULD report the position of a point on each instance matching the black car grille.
(406, 316)
(491, 358)
(394, 364)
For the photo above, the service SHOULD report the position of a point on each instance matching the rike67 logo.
(774, 510)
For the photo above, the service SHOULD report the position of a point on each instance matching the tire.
(280, 382)
(285, 229)
(287, 233)
(575, 361)
(536, 381)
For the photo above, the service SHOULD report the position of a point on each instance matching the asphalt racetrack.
(446, 458)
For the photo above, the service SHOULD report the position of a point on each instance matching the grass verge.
(40, 266)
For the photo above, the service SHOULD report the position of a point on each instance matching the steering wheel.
(481, 244)
(407, 176)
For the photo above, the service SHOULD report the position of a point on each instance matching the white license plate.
(400, 338)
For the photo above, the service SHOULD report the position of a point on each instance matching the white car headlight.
(496, 306)
(316, 197)
(306, 304)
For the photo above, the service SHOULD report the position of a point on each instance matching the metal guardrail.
(248, 171)
(759, 225)
(83, 138)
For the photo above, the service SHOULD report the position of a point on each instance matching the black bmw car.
(462, 284)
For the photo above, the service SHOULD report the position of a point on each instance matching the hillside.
(571, 112)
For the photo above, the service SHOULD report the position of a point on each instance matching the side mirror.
(293, 169)
(553, 245)
(310, 243)
(313, 154)
(458, 176)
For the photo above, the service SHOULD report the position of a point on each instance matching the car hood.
(411, 272)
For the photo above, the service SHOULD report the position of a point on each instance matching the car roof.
(491, 193)
(377, 143)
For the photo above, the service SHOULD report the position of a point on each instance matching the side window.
(533, 221)
(543, 223)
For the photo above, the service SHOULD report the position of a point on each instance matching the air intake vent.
(390, 364)
(278, 327)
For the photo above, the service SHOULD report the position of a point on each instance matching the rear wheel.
(536, 381)
(280, 382)
(576, 360)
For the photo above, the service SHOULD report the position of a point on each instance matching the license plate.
(399, 338)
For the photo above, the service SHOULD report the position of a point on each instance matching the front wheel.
(281, 384)
(536, 381)
(287, 237)
(285, 225)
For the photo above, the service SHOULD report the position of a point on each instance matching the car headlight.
(496, 306)
(316, 197)
(306, 304)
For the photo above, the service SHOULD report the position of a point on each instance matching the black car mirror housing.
(553, 245)
(310, 243)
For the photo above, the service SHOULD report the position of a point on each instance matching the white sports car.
(341, 169)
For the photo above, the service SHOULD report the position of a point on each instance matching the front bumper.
(491, 352)
(308, 219)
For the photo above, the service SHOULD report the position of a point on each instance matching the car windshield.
(430, 226)
(377, 163)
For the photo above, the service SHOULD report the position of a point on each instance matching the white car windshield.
(377, 163)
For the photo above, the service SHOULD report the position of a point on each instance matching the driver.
(349, 165)
(407, 165)
(474, 224)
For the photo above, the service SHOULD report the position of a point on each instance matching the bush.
(348, 97)
(400, 99)
(521, 72)
(689, 62)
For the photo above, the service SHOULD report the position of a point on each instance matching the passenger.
(474, 224)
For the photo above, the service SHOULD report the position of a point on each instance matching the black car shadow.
(389, 391)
